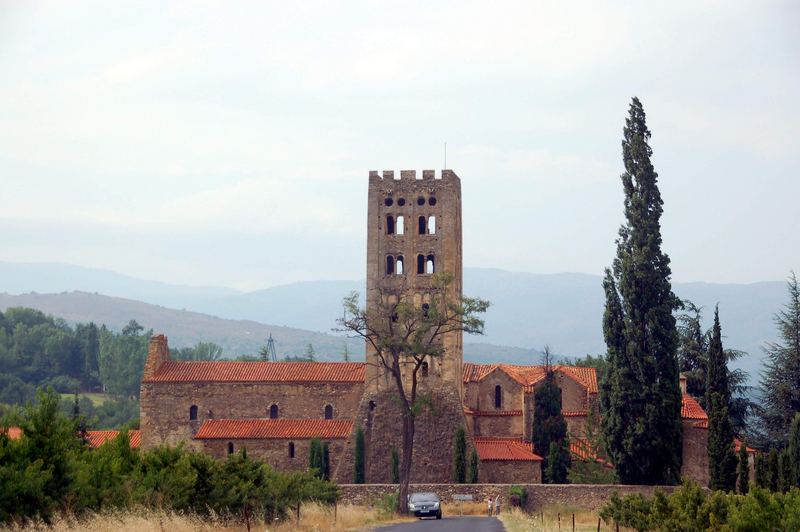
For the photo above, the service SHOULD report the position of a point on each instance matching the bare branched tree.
(402, 336)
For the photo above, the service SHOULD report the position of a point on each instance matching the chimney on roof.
(683, 383)
(157, 354)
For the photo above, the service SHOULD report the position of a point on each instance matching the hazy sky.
(213, 143)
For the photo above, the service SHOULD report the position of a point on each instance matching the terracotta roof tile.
(505, 449)
(737, 443)
(529, 376)
(96, 438)
(492, 413)
(274, 429)
(582, 450)
(691, 409)
(702, 424)
(238, 371)
(574, 413)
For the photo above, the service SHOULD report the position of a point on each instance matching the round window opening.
(401, 201)
(420, 201)
(388, 202)
(432, 201)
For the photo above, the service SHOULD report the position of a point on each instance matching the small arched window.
(429, 266)
(230, 447)
(399, 263)
(390, 225)
(389, 265)
(291, 449)
(400, 225)
(273, 412)
(421, 225)
(432, 225)
(328, 412)
(498, 396)
(420, 264)
(193, 413)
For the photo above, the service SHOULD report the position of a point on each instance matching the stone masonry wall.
(492, 471)
(275, 452)
(165, 406)
(695, 453)
(584, 496)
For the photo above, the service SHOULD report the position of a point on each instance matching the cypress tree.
(743, 472)
(460, 456)
(781, 379)
(760, 466)
(721, 458)
(793, 450)
(549, 435)
(326, 461)
(473, 467)
(315, 458)
(359, 459)
(773, 471)
(642, 395)
(395, 466)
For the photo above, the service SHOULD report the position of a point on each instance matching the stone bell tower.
(414, 230)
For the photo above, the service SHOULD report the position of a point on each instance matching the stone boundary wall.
(584, 496)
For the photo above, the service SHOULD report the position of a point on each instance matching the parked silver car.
(425, 504)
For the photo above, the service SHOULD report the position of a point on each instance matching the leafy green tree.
(721, 457)
(359, 461)
(309, 354)
(122, 362)
(315, 460)
(642, 396)
(460, 456)
(761, 473)
(403, 336)
(549, 434)
(395, 461)
(780, 381)
(200, 351)
(472, 478)
(743, 471)
(132, 329)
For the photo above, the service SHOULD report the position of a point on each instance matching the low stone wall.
(585, 496)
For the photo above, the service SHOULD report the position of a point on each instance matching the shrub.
(518, 496)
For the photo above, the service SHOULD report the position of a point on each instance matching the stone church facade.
(274, 409)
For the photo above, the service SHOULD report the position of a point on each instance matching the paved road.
(449, 524)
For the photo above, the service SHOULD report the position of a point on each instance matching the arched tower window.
(273, 412)
(429, 266)
(230, 447)
(193, 413)
(390, 225)
(498, 396)
(432, 225)
(400, 225)
(291, 449)
(328, 412)
(421, 224)
(420, 264)
(399, 265)
(389, 265)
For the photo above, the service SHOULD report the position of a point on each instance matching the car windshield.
(420, 497)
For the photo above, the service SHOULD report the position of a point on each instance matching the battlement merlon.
(411, 175)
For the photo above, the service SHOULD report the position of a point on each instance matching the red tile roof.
(238, 371)
(492, 413)
(505, 449)
(274, 429)
(96, 438)
(702, 424)
(13, 433)
(582, 450)
(529, 376)
(691, 409)
(737, 443)
(574, 413)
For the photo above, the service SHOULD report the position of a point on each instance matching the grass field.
(97, 399)
(548, 520)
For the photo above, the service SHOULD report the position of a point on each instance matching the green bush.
(518, 496)
(692, 508)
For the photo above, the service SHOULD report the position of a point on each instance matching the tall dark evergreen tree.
(793, 450)
(460, 456)
(549, 433)
(721, 457)
(359, 465)
(773, 470)
(743, 471)
(641, 392)
(781, 380)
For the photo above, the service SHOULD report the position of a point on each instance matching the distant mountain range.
(528, 310)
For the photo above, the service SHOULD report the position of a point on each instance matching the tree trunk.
(405, 463)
